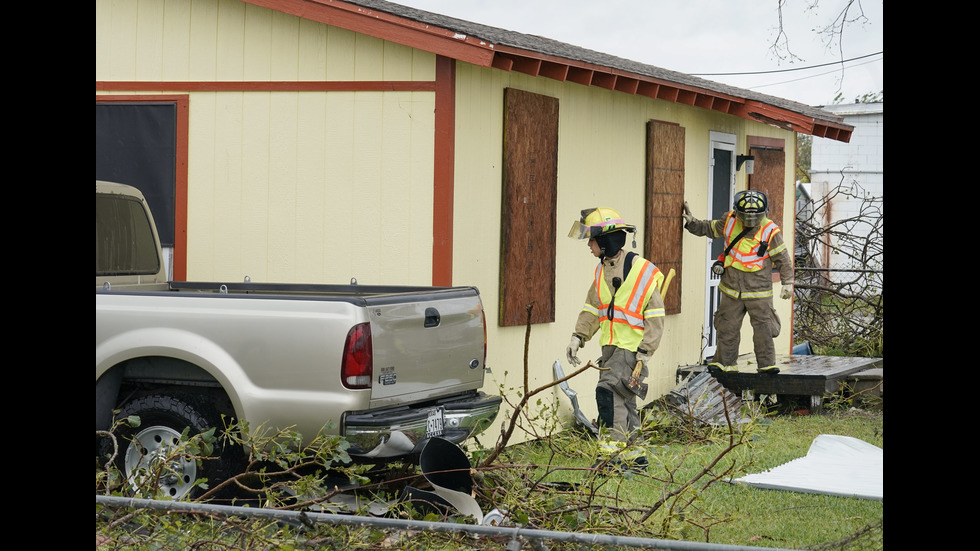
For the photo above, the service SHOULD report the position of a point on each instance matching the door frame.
(725, 142)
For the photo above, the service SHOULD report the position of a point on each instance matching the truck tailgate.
(427, 349)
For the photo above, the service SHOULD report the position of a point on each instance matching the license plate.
(433, 425)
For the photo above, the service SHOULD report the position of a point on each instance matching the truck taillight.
(358, 365)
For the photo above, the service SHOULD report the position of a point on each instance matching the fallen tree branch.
(505, 436)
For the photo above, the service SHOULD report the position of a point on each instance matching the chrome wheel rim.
(151, 455)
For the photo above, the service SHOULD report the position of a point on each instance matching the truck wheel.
(162, 420)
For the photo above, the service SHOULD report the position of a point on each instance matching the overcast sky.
(708, 36)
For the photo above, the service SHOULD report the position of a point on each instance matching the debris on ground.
(580, 418)
(700, 397)
(447, 488)
(835, 465)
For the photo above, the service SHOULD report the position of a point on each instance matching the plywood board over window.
(530, 185)
(769, 175)
(664, 201)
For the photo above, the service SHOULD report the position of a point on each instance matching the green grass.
(721, 512)
(793, 519)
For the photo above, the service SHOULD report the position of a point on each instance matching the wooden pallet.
(799, 375)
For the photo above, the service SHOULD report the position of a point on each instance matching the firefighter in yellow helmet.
(624, 309)
(753, 246)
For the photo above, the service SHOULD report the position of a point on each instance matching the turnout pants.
(728, 325)
(615, 402)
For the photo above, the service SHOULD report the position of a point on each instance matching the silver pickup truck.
(384, 366)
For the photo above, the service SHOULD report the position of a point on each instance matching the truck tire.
(162, 420)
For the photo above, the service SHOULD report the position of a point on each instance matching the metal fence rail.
(515, 533)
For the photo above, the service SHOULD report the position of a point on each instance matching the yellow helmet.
(597, 222)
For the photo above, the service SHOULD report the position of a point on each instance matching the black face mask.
(611, 243)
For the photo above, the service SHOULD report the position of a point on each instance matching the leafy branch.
(527, 394)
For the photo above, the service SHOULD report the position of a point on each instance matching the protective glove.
(786, 291)
(643, 357)
(686, 214)
(572, 351)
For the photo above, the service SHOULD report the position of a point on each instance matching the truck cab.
(127, 254)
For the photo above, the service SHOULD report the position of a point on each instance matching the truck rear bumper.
(404, 430)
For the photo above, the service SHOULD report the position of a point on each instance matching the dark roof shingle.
(556, 49)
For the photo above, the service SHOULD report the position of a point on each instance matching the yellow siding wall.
(288, 186)
(311, 187)
(602, 147)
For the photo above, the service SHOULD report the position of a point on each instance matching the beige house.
(325, 140)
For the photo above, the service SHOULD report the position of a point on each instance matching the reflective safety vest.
(745, 255)
(622, 325)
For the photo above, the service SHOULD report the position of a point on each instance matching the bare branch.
(840, 271)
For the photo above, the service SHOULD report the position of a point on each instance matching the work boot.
(771, 370)
(618, 465)
(639, 464)
(716, 368)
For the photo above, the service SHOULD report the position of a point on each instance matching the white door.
(721, 189)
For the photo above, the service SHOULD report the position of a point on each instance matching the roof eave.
(476, 51)
(385, 26)
(535, 64)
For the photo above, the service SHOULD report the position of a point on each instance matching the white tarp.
(834, 465)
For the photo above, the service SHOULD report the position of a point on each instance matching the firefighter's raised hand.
(686, 214)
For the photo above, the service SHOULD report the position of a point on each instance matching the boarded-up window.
(530, 184)
(769, 177)
(664, 201)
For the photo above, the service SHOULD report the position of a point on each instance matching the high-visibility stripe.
(743, 294)
(654, 313)
(777, 250)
